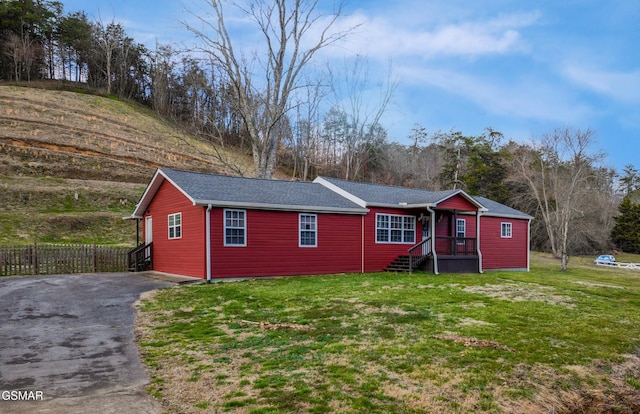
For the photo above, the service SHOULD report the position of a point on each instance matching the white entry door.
(148, 230)
(426, 233)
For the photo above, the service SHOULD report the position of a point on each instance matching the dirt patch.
(273, 326)
(474, 342)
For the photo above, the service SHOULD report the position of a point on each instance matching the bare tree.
(559, 174)
(262, 95)
(107, 41)
(363, 113)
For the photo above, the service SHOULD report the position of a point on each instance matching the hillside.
(73, 164)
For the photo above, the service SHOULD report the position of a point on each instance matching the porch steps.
(401, 263)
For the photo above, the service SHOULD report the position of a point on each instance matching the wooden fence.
(47, 259)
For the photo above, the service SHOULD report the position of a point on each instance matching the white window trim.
(508, 225)
(169, 226)
(413, 218)
(225, 227)
(300, 230)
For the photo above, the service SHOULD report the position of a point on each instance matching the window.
(505, 231)
(461, 228)
(308, 230)
(391, 228)
(235, 227)
(175, 226)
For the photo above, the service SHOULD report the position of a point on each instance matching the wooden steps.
(401, 263)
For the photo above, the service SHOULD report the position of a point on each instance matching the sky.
(523, 68)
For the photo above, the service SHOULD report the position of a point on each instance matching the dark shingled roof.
(252, 192)
(498, 209)
(387, 195)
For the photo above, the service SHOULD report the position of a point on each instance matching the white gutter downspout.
(528, 245)
(208, 241)
(433, 240)
(362, 244)
(478, 215)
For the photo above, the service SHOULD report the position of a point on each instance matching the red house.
(215, 226)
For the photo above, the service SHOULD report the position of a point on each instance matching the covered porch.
(448, 242)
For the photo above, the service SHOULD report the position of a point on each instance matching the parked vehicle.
(605, 259)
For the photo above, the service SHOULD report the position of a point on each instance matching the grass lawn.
(543, 341)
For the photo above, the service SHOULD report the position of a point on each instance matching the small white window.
(175, 226)
(235, 228)
(308, 230)
(505, 232)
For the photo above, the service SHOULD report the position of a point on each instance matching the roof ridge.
(386, 185)
(275, 180)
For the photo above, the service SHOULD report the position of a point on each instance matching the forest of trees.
(558, 178)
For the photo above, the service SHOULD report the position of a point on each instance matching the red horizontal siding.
(379, 255)
(184, 256)
(446, 225)
(457, 202)
(503, 253)
(272, 245)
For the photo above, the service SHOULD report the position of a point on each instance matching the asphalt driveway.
(67, 343)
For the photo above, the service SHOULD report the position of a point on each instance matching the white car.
(605, 259)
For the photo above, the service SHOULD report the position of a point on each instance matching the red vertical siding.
(503, 253)
(186, 255)
(272, 245)
(379, 255)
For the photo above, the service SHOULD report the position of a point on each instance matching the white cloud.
(381, 36)
(620, 86)
(525, 98)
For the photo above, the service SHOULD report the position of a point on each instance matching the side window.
(505, 230)
(235, 228)
(175, 226)
(308, 226)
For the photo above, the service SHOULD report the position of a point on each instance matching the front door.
(426, 233)
(148, 238)
(426, 229)
(148, 230)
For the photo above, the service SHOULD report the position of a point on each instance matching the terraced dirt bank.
(73, 164)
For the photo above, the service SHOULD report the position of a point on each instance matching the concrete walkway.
(70, 337)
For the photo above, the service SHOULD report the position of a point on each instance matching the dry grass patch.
(518, 292)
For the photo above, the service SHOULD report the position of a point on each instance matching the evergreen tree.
(626, 232)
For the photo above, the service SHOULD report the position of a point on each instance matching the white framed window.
(393, 228)
(308, 230)
(175, 226)
(235, 227)
(505, 230)
(461, 230)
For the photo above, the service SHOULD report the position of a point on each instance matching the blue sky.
(522, 68)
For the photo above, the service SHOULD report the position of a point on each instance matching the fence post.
(95, 258)
(36, 269)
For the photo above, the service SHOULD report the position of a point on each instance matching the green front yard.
(543, 341)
